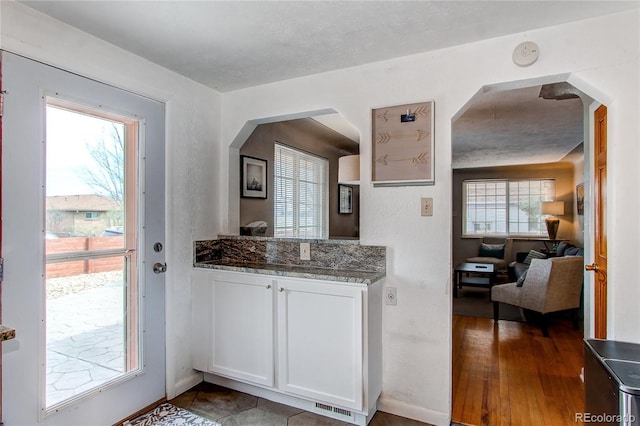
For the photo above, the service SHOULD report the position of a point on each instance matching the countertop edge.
(334, 241)
(353, 277)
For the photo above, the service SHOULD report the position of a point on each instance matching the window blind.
(300, 200)
(504, 207)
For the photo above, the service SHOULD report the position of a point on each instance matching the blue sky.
(68, 134)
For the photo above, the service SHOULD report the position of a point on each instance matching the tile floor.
(232, 408)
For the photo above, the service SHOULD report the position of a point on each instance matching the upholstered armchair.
(550, 285)
(496, 251)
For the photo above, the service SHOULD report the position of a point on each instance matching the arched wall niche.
(324, 133)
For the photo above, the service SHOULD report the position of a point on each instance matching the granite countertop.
(341, 275)
(6, 333)
(334, 241)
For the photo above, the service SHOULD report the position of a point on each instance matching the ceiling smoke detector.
(525, 54)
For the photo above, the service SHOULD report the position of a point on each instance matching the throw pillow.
(520, 281)
(491, 250)
(574, 251)
(533, 254)
(561, 248)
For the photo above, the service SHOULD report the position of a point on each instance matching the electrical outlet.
(390, 296)
(426, 206)
(305, 251)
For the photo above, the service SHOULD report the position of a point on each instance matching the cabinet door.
(241, 321)
(320, 341)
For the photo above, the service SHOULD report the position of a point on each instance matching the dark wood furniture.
(473, 274)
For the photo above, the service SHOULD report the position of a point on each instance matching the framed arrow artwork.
(402, 145)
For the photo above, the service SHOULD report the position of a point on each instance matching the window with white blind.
(300, 196)
(506, 207)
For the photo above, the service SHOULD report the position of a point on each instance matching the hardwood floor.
(509, 374)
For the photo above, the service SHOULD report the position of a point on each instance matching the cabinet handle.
(268, 286)
(281, 290)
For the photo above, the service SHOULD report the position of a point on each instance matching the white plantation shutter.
(525, 203)
(506, 207)
(300, 200)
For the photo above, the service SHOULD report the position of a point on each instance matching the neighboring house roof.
(85, 203)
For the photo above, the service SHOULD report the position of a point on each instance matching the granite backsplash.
(333, 254)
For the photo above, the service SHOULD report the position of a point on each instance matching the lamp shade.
(349, 169)
(554, 208)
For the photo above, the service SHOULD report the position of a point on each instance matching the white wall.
(601, 56)
(192, 149)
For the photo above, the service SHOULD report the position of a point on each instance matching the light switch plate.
(305, 251)
(426, 206)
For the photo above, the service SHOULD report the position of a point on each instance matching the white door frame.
(27, 82)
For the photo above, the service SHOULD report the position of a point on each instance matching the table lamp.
(349, 169)
(552, 208)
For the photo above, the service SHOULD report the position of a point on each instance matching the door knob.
(592, 267)
(159, 268)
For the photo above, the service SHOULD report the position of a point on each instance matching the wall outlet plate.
(305, 251)
(390, 296)
(426, 206)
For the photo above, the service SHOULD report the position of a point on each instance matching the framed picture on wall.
(345, 201)
(403, 145)
(253, 179)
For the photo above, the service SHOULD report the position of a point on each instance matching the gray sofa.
(519, 267)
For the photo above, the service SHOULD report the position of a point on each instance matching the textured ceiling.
(516, 127)
(228, 45)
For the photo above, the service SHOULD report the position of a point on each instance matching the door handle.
(592, 267)
(159, 268)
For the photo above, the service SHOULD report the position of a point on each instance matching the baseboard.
(142, 411)
(188, 382)
(403, 409)
(346, 415)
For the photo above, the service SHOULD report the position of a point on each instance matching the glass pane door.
(90, 240)
(130, 297)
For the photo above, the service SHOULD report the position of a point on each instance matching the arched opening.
(289, 204)
(506, 135)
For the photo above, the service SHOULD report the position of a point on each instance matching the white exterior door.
(46, 380)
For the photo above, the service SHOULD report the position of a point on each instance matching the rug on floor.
(167, 414)
(475, 302)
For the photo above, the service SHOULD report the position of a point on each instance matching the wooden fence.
(79, 244)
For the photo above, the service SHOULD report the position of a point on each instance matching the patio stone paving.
(85, 341)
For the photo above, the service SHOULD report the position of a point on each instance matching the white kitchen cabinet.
(308, 343)
(233, 325)
(320, 341)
